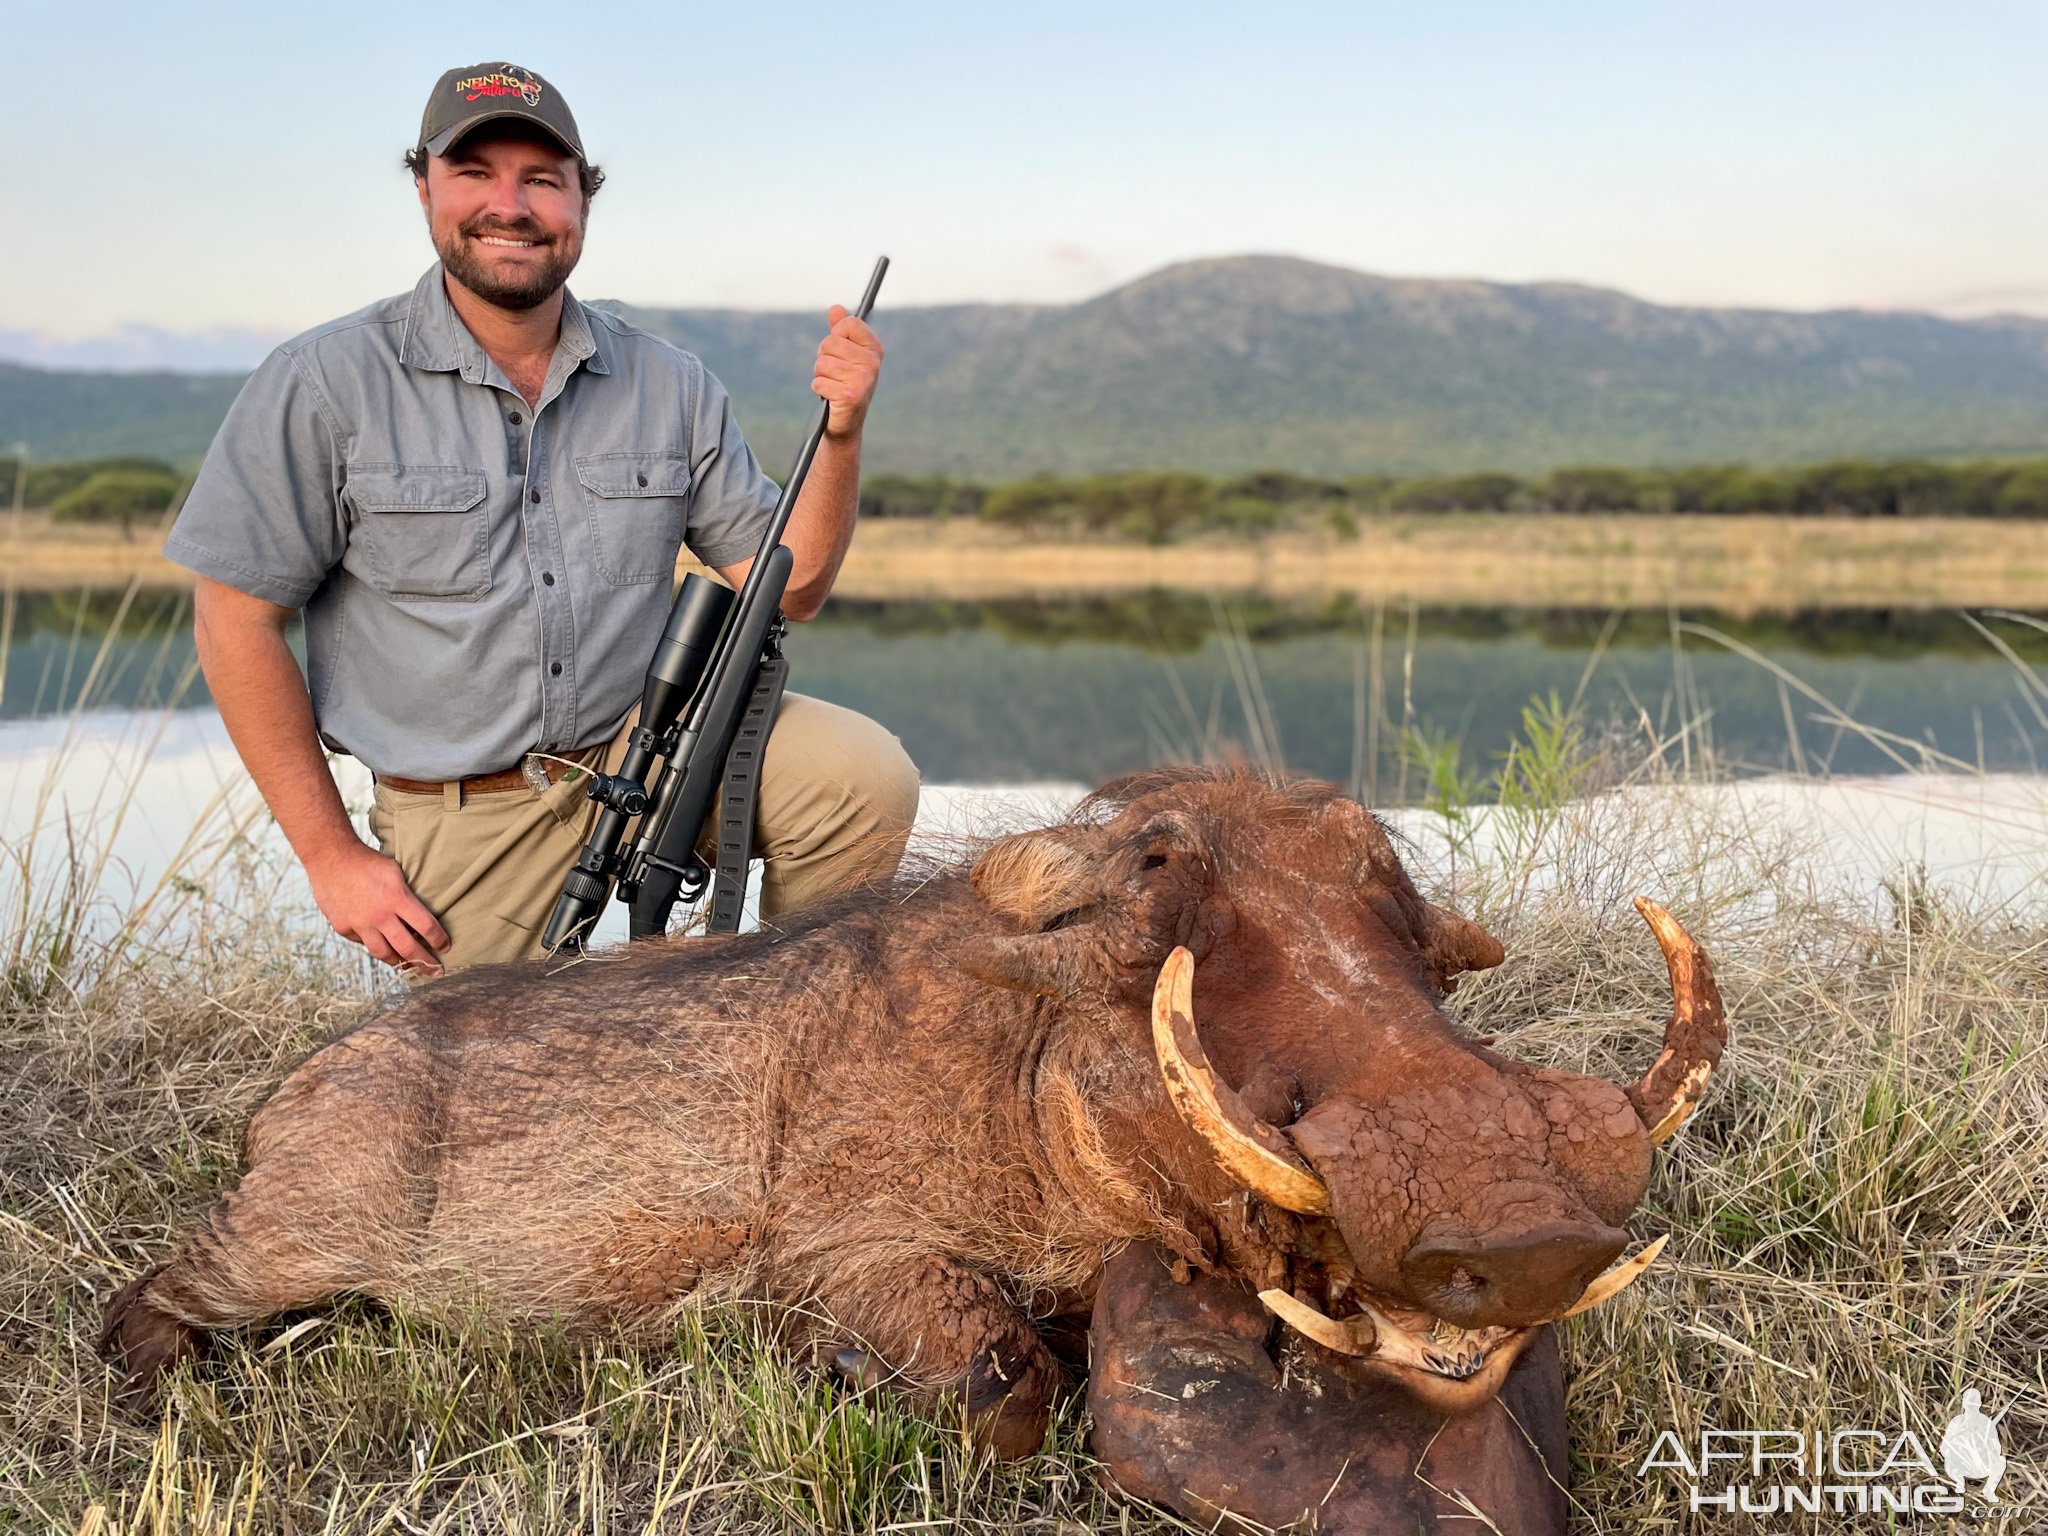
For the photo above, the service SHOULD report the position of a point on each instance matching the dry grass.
(1858, 1231)
(1733, 564)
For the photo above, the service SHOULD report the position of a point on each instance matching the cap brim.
(440, 142)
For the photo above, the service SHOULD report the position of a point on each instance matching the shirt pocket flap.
(635, 474)
(415, 487)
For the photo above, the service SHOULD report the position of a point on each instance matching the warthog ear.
(1038, 880)
(1035, 878)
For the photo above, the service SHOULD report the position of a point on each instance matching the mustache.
(517, 229)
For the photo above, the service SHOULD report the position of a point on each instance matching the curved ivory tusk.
(1251, 1151)
(1353, 1336)
(1615, 1279)
(1693, 1039)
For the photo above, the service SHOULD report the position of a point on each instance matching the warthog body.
(920, 1119)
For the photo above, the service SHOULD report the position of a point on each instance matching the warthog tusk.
(1455, 1353)
(1251, 1151)
(1354, 1336)
(1693, 1039)
(1616, 1278)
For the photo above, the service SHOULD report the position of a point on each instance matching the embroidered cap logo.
(506, 80)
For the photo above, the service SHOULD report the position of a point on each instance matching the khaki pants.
(838, 795)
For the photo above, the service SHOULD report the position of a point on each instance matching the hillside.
(62, 414)
(1253, 361)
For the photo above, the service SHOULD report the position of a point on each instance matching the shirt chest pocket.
(638, 504)
(423, 531)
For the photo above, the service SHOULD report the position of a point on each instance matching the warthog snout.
(1509, 1281)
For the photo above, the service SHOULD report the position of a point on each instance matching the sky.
(190, 182)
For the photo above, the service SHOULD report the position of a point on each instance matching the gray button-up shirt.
(479, 580)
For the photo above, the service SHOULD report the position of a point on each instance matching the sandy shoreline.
(1735, 564)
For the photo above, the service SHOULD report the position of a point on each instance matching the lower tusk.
(1616, 1279)
(1353, 1336)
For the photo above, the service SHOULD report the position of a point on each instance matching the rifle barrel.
(785, 504)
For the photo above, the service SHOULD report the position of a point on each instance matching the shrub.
(1458, 493)
(48, 484)
(2024, 493)
(1283, 488)
(1040, 501)
(932, 496)
(1591, 488)
(117, 496)
(1749, 491)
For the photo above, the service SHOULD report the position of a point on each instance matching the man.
(477, 493)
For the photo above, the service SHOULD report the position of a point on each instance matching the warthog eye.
(1060, 920)
(1153, 861)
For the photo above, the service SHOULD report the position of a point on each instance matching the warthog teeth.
(1461, 1367)
(1616, 1278)
(1452, 1352)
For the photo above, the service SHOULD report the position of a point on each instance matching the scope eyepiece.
(626, 796)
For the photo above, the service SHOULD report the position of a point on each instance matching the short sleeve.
(730, 498)
(264, 515)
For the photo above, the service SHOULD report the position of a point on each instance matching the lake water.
(1889, 721)
(998, 691)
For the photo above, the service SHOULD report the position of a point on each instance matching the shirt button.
(641, 478)
(536, 493)
(555, 670)
(547, 578)
(515, 418)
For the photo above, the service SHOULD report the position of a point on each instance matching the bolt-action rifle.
(705, 712)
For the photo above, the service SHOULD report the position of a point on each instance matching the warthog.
(921, 1118)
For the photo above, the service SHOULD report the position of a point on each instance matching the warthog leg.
(272, 1243)
(938, 1327)
(332, 1201)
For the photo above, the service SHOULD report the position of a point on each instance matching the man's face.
(506, 211)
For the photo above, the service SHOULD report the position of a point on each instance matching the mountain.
(1256, 361)
(70, 414)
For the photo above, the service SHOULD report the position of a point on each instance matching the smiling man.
(477, 493)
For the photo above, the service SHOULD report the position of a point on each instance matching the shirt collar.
(436, 339)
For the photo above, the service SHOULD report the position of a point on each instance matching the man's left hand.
(849, 364)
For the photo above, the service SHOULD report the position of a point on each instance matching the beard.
(523, 285)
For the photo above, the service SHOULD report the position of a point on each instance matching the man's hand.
(362, 893)
(849, 364)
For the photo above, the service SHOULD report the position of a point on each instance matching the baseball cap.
(463, 99)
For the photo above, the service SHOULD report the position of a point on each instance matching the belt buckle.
(536, 772)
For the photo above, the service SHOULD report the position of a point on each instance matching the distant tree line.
(1159, 506)
(1162, 505)
(121, 491)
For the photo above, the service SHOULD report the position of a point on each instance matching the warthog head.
(1266, 948)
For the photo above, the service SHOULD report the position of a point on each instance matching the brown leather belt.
(483, 783)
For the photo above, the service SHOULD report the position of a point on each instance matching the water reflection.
(1081, 689)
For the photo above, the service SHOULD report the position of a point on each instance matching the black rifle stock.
(715, 679)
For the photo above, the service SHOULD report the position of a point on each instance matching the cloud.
(135, 348)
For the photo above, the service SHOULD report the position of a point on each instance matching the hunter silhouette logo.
(506, 80)
(1970, 1449)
